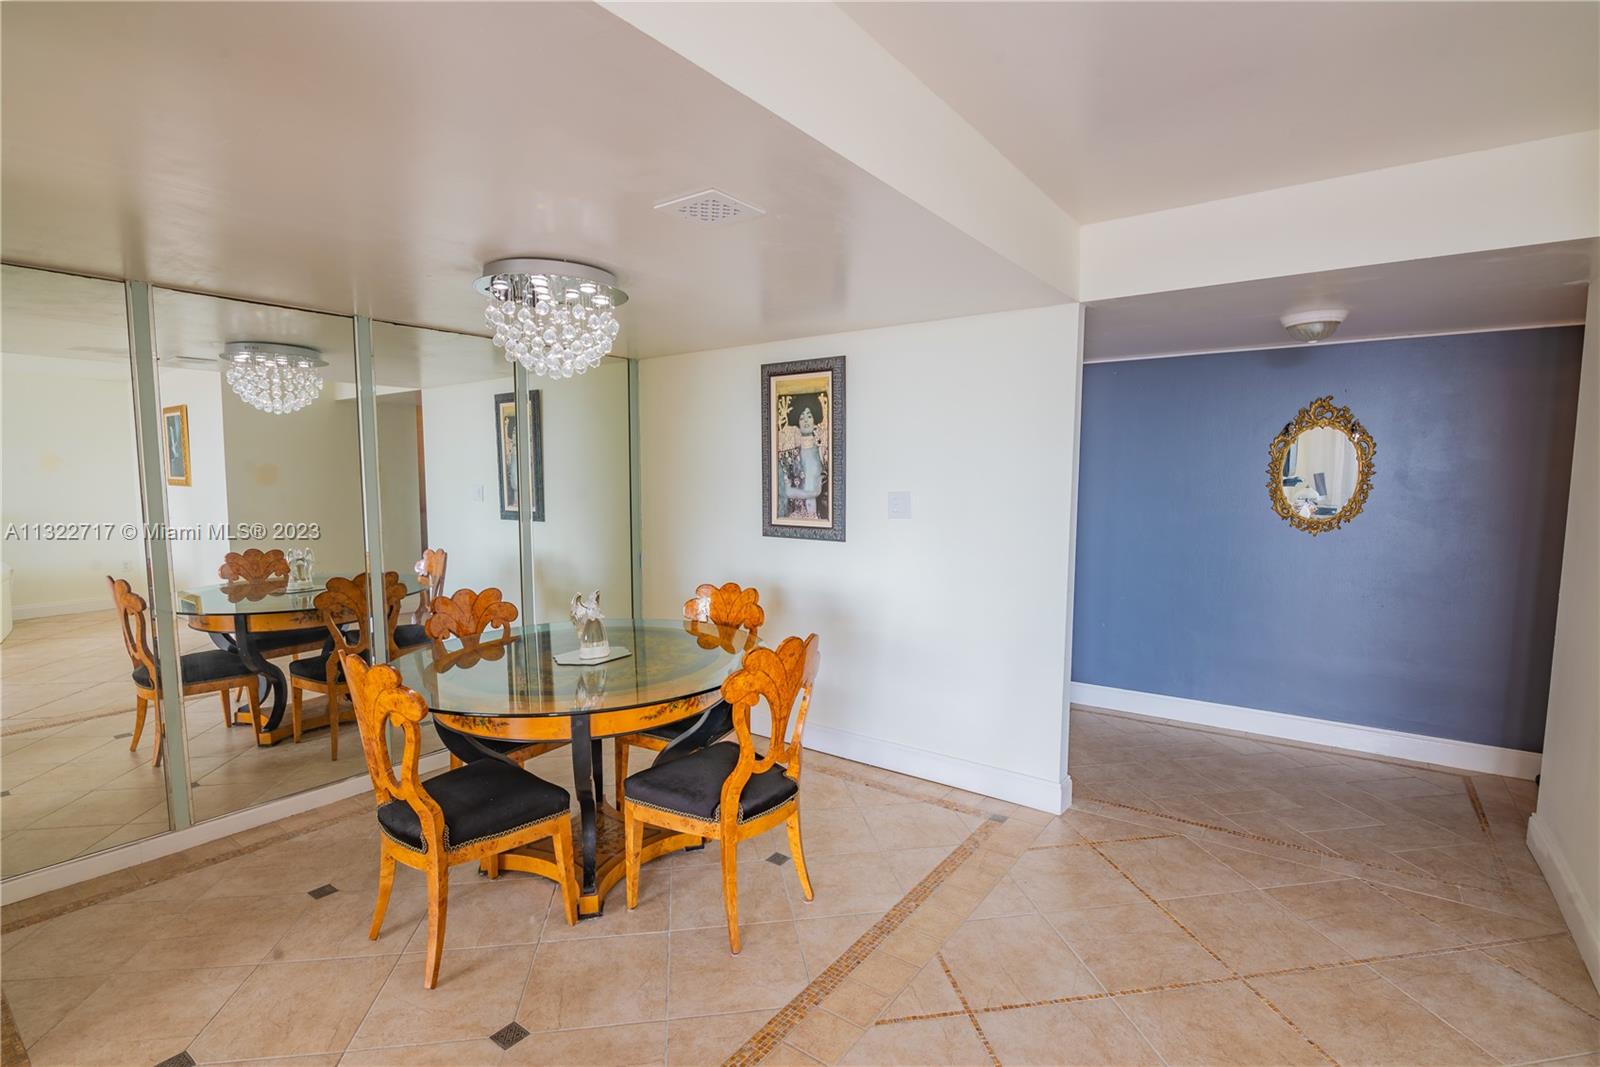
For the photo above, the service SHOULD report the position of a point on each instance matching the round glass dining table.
(245, 616)
(516, 690)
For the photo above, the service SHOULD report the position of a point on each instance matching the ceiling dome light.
(1313, 326)
(277, 379)
(555, 317)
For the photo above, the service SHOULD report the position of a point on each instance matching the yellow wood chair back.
(342, 604)
(381, 699)
(466, 615)
(729, 609)
(130, 617)
(253, 565)
(783, 677)
(433, 564)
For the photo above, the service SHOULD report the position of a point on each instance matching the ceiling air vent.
(712, 206)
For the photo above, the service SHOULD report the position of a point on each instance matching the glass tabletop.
(670, 660)
(261, 598)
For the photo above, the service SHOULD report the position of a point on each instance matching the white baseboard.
(1037, 793)
(59, 607)
(1580, 912)
(1418, 748)
(71, 872)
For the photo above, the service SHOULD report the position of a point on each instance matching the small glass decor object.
(587, 619)
(301, 560)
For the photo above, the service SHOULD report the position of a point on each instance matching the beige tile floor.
(1209, 899)
(69, 785)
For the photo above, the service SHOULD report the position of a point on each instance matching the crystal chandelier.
(277, 379)
(555, 317)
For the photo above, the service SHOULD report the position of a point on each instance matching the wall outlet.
(900, 505)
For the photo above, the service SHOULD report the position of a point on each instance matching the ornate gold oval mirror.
(1320, 472)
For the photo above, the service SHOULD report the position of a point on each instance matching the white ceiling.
(1534, 286)
(1123, 108)
(369, 157)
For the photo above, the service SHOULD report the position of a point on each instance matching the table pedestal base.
(309, 720)
(609, 869)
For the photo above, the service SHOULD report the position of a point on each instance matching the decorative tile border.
(766, 1039)
(12, 1052)
(1280, 972)
(966, 1008)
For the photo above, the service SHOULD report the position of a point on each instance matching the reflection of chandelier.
(555, 317)
(277, 379)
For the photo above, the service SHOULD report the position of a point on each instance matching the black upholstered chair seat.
(480, 800)
(411, 635)
(692, 786)
(201, 667)
(273, 642)
(720, 722)
(316, 668)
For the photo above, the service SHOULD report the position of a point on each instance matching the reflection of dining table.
(514, 690)
(239, 615)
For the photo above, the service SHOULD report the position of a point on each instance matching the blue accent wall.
(1433, 612)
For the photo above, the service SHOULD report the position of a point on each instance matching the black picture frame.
(505, 451)
(816, 383)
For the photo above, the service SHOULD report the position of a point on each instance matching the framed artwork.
(802, 449)
(175, 428)
(505, 428)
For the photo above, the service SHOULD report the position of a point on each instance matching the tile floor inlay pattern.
(1209, 899)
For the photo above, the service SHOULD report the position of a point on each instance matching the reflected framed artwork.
(505, 428)
(802, 449)
(175, 430)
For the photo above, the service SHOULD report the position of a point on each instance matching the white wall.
(1564, 834)
(204, 501)
(399, 480)
(68, 455)
(1525, 194)
(943, 635)
(304, 467)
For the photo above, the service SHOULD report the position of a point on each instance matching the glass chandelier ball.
(553, 325)
(276, 379)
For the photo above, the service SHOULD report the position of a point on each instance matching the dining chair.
(730, 609)
(729, 792)
(342, 605)
(213, 671)
(470, 814)
(430, 570)
(466, 616)
(255, 565)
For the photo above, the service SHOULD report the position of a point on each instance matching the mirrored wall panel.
(263, 480)
(447, 471)
(584, 541)
(77, 737)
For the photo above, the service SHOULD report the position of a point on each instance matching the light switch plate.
(477, 493)
(900, 505)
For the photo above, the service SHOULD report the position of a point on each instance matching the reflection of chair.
(729, 608)
(343, 607)
(728, 792)
(253, 565)
(465, 616)
(217, 671)
(267, 572)
(472, 813)
(430, 571)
